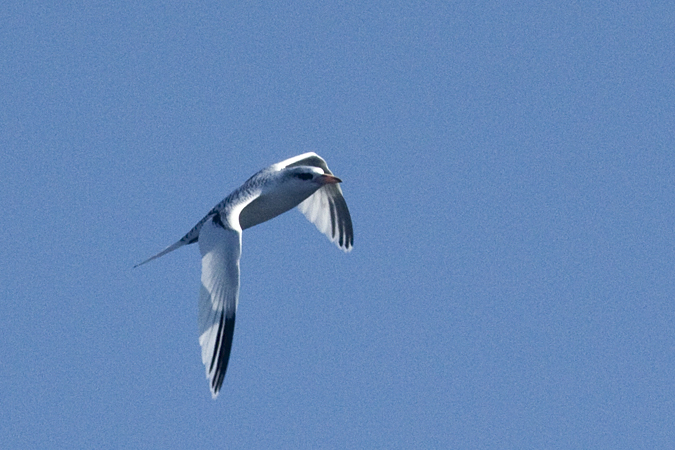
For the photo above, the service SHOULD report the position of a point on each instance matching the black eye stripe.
(304, 176)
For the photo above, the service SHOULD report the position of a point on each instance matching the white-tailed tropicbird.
(303, 181)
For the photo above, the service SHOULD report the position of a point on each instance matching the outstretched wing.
(220, 247)
(327, 209)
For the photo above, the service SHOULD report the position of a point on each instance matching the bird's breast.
(270, 205)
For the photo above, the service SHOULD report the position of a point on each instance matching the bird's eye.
(304, 176)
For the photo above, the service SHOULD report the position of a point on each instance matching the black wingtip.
(222, 350)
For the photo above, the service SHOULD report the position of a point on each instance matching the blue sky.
(509, 170)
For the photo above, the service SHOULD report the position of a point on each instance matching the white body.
(303, 181)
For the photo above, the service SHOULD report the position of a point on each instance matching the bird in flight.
(303, 181)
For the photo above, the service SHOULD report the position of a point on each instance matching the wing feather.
(327, 209)
(220, 247)
(306, 159)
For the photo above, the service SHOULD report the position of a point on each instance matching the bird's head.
(306, 178)
(309, 175)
